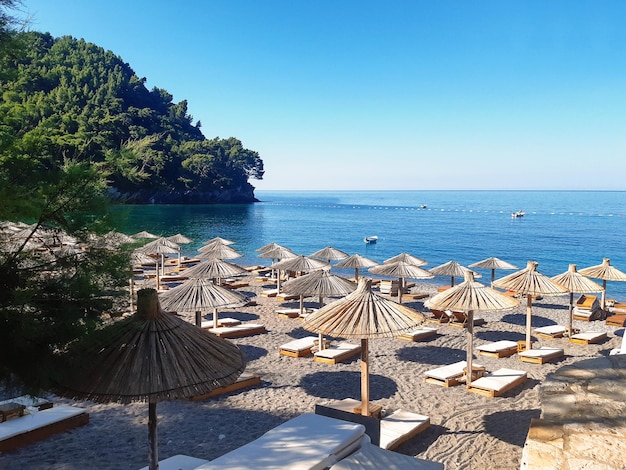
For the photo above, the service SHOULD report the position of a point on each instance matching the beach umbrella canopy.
(529, 282)
(277, 252)
(214, 269)
(356, 261)
(363, 315)
(144, 234)
(150, 356)
(452, 269)
(329, 253)
(469, 297)
(606, 272)
(401, 270)
(575, 282)
(220, 240)
(179, 239)
(269, 246)
(493, 264)
(407, 258)
(298, 263)
(201, 295)
(218, 251)
(160, 246)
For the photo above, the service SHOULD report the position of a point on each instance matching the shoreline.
(467, 430)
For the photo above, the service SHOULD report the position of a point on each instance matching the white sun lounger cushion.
(589, 335)
(300, 344)
(309, 441)
(221, 322)
(541, 352)
(233, 329)
(370, 456)
(179, 462)
(497, 346)
(421, 332)
(450, 371)
(550, 330)
(398, 424)
(337, 350)
(30, 422)
(498, 380)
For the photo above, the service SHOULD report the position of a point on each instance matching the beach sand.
(467, 431)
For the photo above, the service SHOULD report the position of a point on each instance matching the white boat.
(371, 240)
(518, 214)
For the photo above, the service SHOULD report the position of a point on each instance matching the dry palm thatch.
(469, 297)
(407, 258)
(278, 252)
(221, 240)
(218, 251)
(529, 282)
(269, 246)
(606, 272)
(150, 356)
(401, 270)
(159, 246)
(329, 253)
(298, 263)
(213, 269)
(363, 315)
(144, 234)
(575, 282)
(179, 238)
(356, 261)
(452, 269)
(493, 264)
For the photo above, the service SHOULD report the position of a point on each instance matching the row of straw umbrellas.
(119, 364)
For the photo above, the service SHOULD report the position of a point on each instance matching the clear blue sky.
(414, 94)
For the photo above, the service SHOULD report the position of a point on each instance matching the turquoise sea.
(560, 227)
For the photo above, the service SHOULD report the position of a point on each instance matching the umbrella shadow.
(520, 319)
(346, 384)
(500, 335)
(432, 355)
(554, 306)
(299, 332)
(241, 316)
(510, 426)
(423, 441)
(252, 353)
(307, 304)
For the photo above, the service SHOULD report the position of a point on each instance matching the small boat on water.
(517, 214)
(371, 240)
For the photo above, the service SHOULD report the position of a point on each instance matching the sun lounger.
(419, 334)
(245, 380)
(282, 296)
(308, 441)
(370, 456)
(587, 308)
(269, 293)
(497, 382)
(35, 426)
(616, 320)
(415, 296)
(208, 324)
(550, 332)
(447, 376)
(400, 426)
(337, 353)
(292, 312)
(498, 349)
(459, 319)
(298, 347)
(588, 337)
(540, 355)
(438, 316)
(237, 331)
(235, 284)
(179, 462)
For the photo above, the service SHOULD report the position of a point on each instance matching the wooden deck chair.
(616, 320)
(447, 376)
(588, 337)
(498, 349)
(245, 380)
(540, 355)
(419, 334)
(497, 382)
(438, 316)
(400, 426)
(338, 353)
(298, 347)
(459, 319)
(550, 332)
(587, 308)
(238, 331)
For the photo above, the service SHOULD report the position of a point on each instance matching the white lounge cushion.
(421, 332)
(498, 380)
(309, 441)
(373, 457)
(398, 424)
(551, 330)
(337, 350)
(236, 328)
(32, 421)
(220, 322)
(497, 346)
(450, 371)
(300, 344)
(589, 335)
(541, 352)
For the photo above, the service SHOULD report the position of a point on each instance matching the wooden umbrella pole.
(365, 379)
(571, 314)
(529, 315)
(356, 274)
(603, 294)
(470, 346)
(301, 304)
(198, 318)
(400, 289)
(215, 321)
(153, 458)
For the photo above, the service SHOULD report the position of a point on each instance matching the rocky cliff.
(239, 195)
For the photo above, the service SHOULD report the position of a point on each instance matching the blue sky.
(410, 94)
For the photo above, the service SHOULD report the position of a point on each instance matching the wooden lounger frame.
(616, 320)
(239, 332)
(422, 336)
(598, 339)
(496, 393)
(245, 380)
(438, 316)
(348, 354)
(541, 359)
(499, 354)
(550, 335)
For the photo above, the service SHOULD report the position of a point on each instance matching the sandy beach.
(467, 431)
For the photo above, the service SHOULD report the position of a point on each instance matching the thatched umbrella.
(575, 282)
(150, 356)
(529, 282)
(160, 246)
(469, 297)
(214, 269)
(606, 272)
(221, 240)
(218, 251)
(299, 263)
(401, 270)
(137, 258)
(452, 269)
(363, 315)
(198, 295)
(356, 261)
(329, 253)
(179, 239)
(407, 258)
(144, 234)
(278, 252)
(269, 246)
(493, 264)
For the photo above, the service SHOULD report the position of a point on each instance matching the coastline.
(467, 430)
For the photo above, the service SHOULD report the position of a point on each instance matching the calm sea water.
(559, 228)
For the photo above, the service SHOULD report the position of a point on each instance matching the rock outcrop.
(240, 195)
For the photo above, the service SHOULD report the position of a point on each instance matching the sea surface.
(559, 228)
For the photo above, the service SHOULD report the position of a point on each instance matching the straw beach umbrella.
(148, 357)
(218, 251)
(198, 295)
(493, 264)
(356, 261)
(214, 269)
(575, 282)
(269, 246)
(606, 272)
(452, 269)
(160, 246)
(401, 270)
(298, 263)
(329, 253)
(530, 282)
(179, 239)
(407, 258)
(278, 252)
(144, 234)
(363, 315)
(221, 240)
(469, 297)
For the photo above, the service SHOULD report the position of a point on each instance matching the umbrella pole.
(278, 282)
(365, 379)
(356, 274)
(215, 322)
(452, 281)
(198, 319)
(493, 275)
(603, 294)
(153, 458)
(571, 313)
(400, 289)
(529, 315)
(320, 337)
(132, 288)
(301, 304)
(470, 347)
(158, 279)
